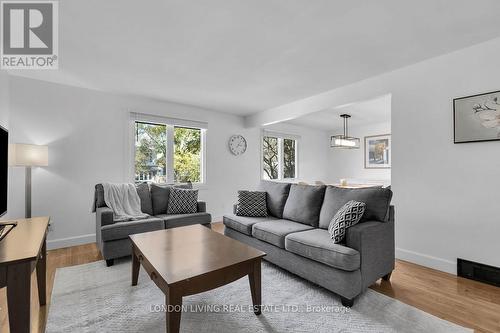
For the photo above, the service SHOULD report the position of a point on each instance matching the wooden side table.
(21, 251)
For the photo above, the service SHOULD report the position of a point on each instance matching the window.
(270, 152)
(166, 153)
(150, 152)
(279, 157)
(187, 155)
(288, 158)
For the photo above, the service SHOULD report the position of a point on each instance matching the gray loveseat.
(295, 235)
(112, 237)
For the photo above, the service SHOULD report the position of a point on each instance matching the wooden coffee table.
(189, 260)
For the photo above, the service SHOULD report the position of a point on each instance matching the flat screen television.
(4, 157)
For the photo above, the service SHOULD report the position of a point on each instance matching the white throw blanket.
(124, 201)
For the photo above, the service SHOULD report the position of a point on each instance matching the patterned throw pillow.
(346, 217)
(182, 201)
(251, 204)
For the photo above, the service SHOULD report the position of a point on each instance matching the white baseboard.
(85, 239)
(427, 261)
(70, 241)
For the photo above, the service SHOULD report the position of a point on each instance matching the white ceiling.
(247, 56)
(364, 113)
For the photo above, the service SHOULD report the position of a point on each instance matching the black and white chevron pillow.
(251, 203)
(346, 217)
(182, 201)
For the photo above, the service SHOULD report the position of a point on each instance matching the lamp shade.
(28, 155)
(341, 141)
(344, 140)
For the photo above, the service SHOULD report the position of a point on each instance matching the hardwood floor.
(465, 302)
(69, 256)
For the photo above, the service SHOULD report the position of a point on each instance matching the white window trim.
(170, 154)
(170, 124)
(280, 137)
(167, 120)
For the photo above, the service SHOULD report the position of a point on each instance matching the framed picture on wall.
(477, 118)
(378, 151)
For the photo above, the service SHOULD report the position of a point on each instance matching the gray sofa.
(295, 235)
(112, 237)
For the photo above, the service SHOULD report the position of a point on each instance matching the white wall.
(312, 151)
(350, 163)
(88, 142)
(446, 194)
(4, 100)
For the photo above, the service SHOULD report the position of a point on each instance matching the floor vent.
(479, 272)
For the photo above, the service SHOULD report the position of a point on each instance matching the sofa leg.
(387, 277)
(347, 302)
(110, 262)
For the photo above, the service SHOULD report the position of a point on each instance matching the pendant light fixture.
(344, 140)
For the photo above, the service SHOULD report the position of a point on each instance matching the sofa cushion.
(121, 230)
(244, 224)
(251, 203)
(160, 195)
(304, 204)
(182, 201)
(316, 244)
(274, 232)
(145, 196)
(159, 198)
(277, 193)
(181, 220)
(377, 202)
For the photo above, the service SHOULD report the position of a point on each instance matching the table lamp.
(28, 156)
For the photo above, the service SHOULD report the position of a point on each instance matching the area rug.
(96, 298)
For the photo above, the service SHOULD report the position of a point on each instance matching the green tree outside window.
(288, 158)
(187, 155)
(151, 153)
(270, 157)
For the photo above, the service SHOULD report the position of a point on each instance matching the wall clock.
(237, 144)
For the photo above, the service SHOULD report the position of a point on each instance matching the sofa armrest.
(103, 216)
(374, 241)
(202, 207)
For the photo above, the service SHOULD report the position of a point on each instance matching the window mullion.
(280, 158)
(170, 154)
